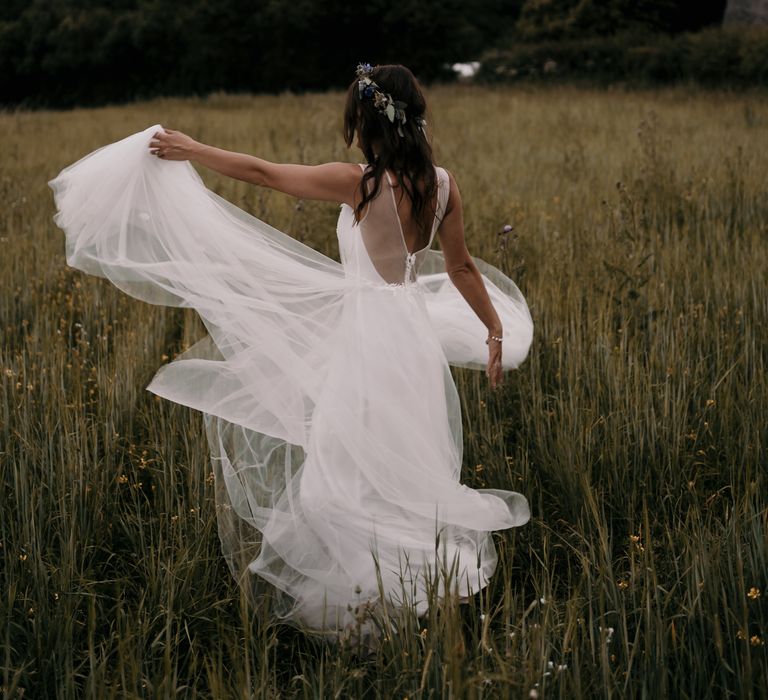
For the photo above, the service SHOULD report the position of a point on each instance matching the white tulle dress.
(332, 417)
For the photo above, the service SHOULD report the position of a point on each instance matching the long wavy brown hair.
(409, 156)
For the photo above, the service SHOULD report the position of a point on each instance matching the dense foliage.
(558, 19)
(94, 51)
(712, 58)
(87, 52)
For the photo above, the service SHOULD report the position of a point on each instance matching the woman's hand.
(169, 144)
(494, 371)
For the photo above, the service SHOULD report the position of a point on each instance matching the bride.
(332, 417)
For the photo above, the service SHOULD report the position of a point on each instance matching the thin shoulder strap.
(443, 187)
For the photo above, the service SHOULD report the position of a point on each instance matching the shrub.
(713, 57)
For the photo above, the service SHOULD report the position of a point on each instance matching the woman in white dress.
(332, 417)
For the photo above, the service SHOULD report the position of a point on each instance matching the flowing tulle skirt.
(332, 418)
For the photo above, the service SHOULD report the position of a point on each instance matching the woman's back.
(391, 236)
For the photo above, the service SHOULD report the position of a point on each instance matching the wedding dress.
(332, 417)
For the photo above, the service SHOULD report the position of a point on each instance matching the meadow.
(637, 427)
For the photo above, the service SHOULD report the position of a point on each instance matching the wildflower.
(122, 479)
(622, 585)
(609, 633)
(710, 403)
(740, 634)
(753, 593)
(543, 600)
(755, 641)
(634, 538)
(23, 557)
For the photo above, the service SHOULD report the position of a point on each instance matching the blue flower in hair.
(364, 69)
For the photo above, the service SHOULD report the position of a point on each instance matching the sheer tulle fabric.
(332, 418)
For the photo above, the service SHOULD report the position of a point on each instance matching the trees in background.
(64, 53)
(73, 52)
(543, 20)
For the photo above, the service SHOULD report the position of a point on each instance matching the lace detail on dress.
(409, 263)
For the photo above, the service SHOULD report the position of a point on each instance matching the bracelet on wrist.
(492, 337)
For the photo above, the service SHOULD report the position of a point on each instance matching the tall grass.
(636, 428)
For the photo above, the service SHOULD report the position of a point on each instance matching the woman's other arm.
(466, 277)
(335, 182)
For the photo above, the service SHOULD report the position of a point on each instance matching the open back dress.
(332, 417)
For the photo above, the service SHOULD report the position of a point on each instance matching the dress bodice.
(375, 248)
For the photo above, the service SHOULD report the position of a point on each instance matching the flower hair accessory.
(382, 101)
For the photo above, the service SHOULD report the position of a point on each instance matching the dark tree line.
(65, 53)
(571, 19)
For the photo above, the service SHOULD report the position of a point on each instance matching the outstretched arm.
(335, 182)
(467, 278)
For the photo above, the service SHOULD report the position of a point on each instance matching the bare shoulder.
(349, 175)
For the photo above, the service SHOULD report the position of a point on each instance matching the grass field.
(637, 427)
